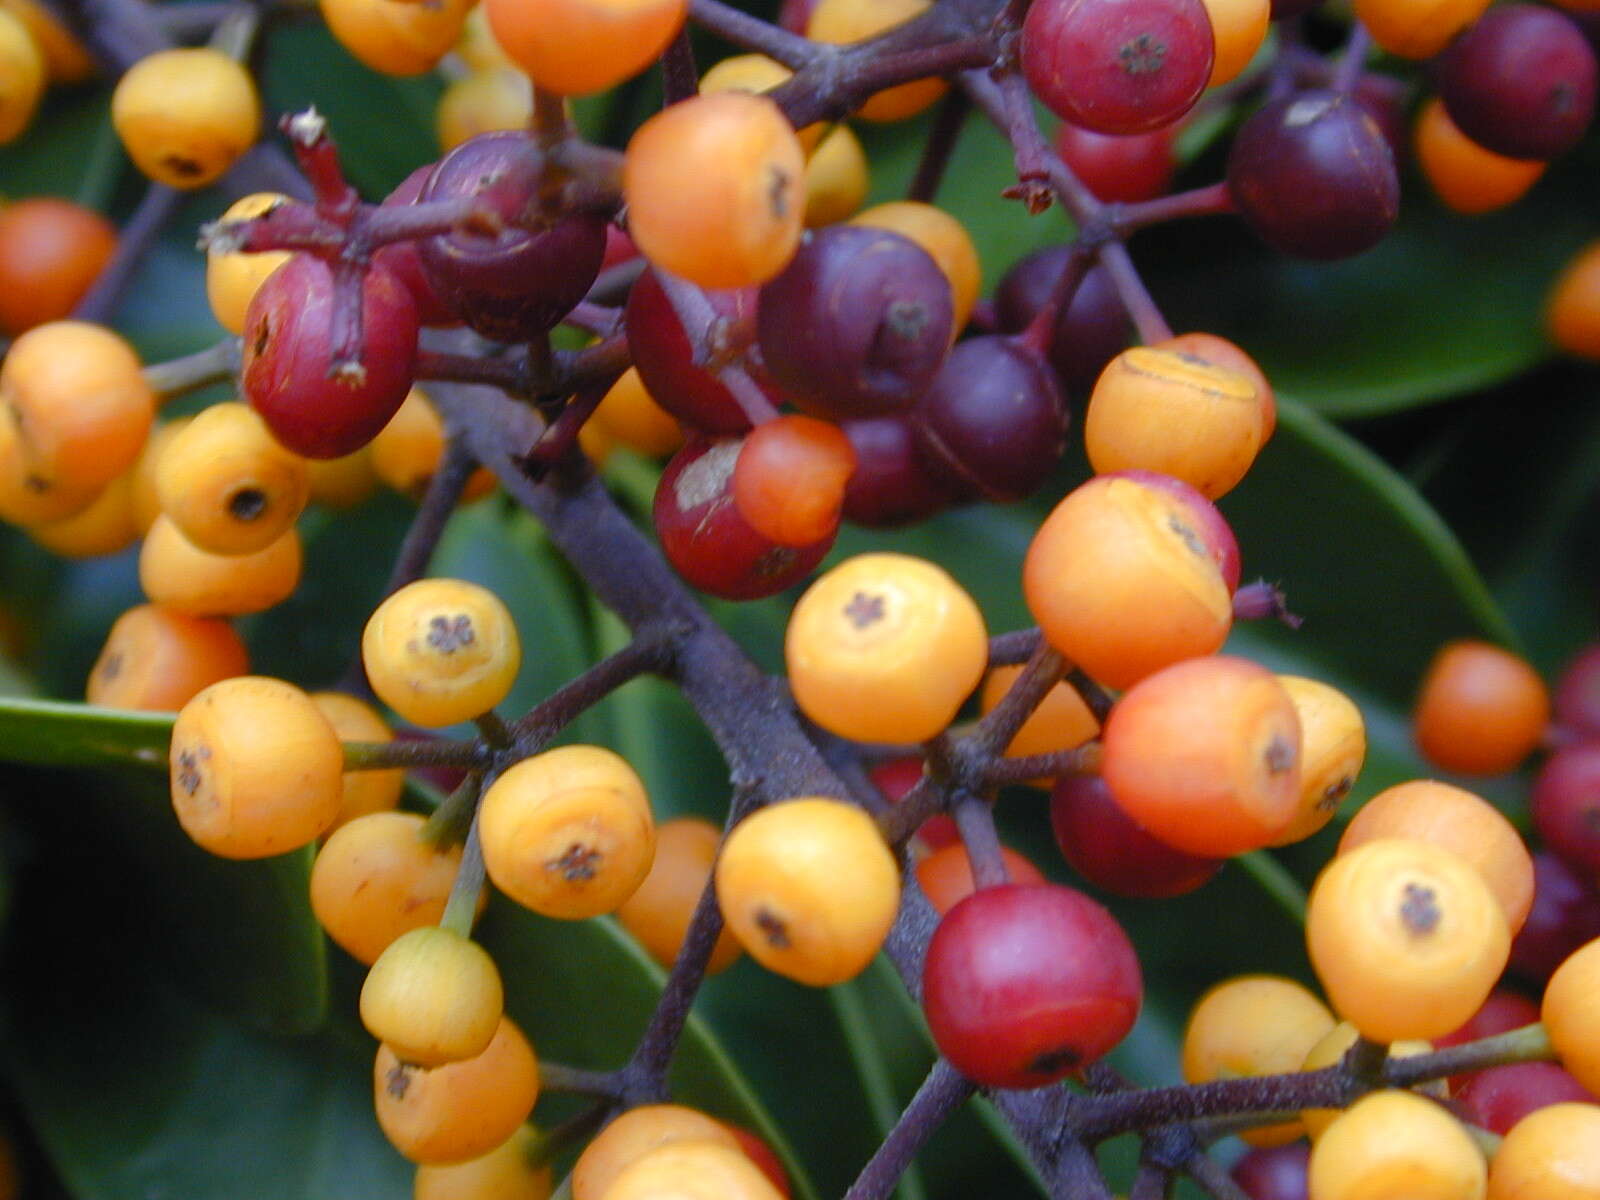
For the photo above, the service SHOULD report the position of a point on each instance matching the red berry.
(1577, 695)
(1126, 168)
(893, 483)
(1104, 845)
(1498, 1097)
(1089, 332)
(1026, 983)
(404, 259)
(1275, 1173)
(1566, 805)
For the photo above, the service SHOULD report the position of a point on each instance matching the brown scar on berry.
(247, 504)
(1049, 1062)
(578, 864)
(111, 666)
(189, 776)
(773, 929)
(864, 610)
(1190, 538)
(778, 191)
(398, 1081)
(449, 634)
(1419, 910)
(1279, 755)
(263, 336)
(184, 168)
(1335, 792)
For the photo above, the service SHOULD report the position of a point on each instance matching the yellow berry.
(1396, 1146)
(407, 451)
(393, 36)
(633, 418)
(433, 997)
(1553, 1153)
(233, 279)
(944, 238)
(634, 1134)
(357, 721)
(1333, 746)
(842, 21)
(22, 76)
(1571, 1014)
(505, 1173)
(1331, 1047)
(177, 574)
(690, 1170)
(499, 98)
(659, 911)
(186, 116)
(837, 178)
(156, 660)
(108, 525)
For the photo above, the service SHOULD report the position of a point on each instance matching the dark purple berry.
(994, 421)
(857, 324)
(1520, 82)
(404, 259)
(1577, 694)
(1089, 333)
(1566, 805)
(1564, 916)
(1278, 1173)
(893, 483)
(1386, 100)
(1496, 1098)
(1314, 176)
(520, 284)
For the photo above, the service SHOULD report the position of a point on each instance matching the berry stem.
(384, 756)
(508, 374)
(1014, 648)
(680, 78)
(461, 909)
(1531, 1043)
(1149, 1182)
(995, 731)
(975, 820)
(650, 652)
(578, 1081)
(157, 207)
(1263, 601)
(427, 526)
(943, 1091)
(1136, 298)
(948, 122)
(214, 364)
(1077, 1175)
(1041, 329)
(495, 732)
(235, 34)
(752, 33)
(1213, 1180)
(1213, 200)
(449, 824)
(1085, 760)
(1353, 59)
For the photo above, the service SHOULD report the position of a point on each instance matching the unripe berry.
(1333, 746)
(636, 1133)
(233, 279)
(177, 574)
(497, 100)
(110, 524)
(1466, 177)
(22, 67)
(357, 721)
(157, 660)
(1551, 1154)
(185, 116)
(1417, 28)
(838, 178)
(693, 1170)
(945, 876)
(577, 47)
(51, 252)
(396, 39)
(1393, 1143)
(433, 997)
(505, 1173)
(1571, 1014)
(946, 241)
(1481, 709)
(659, 911)
(378, 877)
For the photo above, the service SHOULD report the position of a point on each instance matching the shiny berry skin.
(857, 324)
(288, 357)
(1109, 849)
(665, 359)
(1553, 1154)
(1210, 527)
(1577, 694)
(576, 47)
(893, 484)
(1481, 710)
(705, 538)
(1417, 28)
(186, 115)
(1394, 1144)
(1333, 747)
(1564, 916)
(1025, 984)
(1498, 1097)
(1313, 175)
(790, 479)
(993, 421)
(1566, 805)
(1126, 168)
(1520, 81)
(1089, 333)
(1468, 178)
(404, 258)
(634, 1134)
(517, 285)
(1274, 1173)
(1117, 66)
(51, 252)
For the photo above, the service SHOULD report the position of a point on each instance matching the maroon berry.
(405, 260)
(1566, 805)
(1520, 81)
(1089, 333)
(1498, 1097)
(1027, 983)
(705, 538)
(1313, 175)
(287, 372)
(1577, 695)
(1130, 168)
(857, 324)
(1117, 66)
(661, 350)
(893, 483)
(1386, 100)
(1276, 1173)
(993, 422)
(520, 284)
(1104, 845)
(1564, 916)
(1502, 1012)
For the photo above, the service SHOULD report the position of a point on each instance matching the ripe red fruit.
(1566, 804)
(1089, 332)
(1126, 168)
(893, 483)
(288, 358)
(1117, 66)
(405, 260)
(1577, 694)
(1026, 983)
(1276, 1173)
(1109, 849)
(1498, 1097)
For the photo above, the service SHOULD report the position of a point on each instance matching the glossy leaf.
(52, 733)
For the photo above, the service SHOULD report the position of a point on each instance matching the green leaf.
(50, 733)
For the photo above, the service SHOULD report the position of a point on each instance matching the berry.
(857, 324)
(1275, 1172)
(515, 286)
(1564, 916)
(1089, 332)
(568, 833)
(440, 651)
(692, 1170)
(433, 997)
(993, 421)
(1566, 805)
(1496, 1098)
(255, 768)
(1062, 721)
(659, 911)
(505, 1173)
(1333, 1047)
(1333, 746)
(157, 660)
(1481, 710)
(844, 21)
(1124, 168)
(497, 100)
(944, 238)
(408, 450)
(632, 416)
(1238, 27)
(886, 648)
(178, 575)
(288, 371)
(714, 190)
(396, 39)
(578, 47)
(1549, 1155)
(893, 483)
(809, 888)
(23, 67)
(756, 74)
(1108, 848)
(705, 538)
(1417, 28)
(108, 525)
(634, 1134)
(1313, 175)
(789, 481)
(51, 252)
(1395, 1136)
(1118, 66)
(1027, 983)
(1406, 938)
(1206, 756)
(1219, 352)
(838, 177)
(357, 721)
(403, 259)
(1520, 82)
(1570, 1012)
(186, 116)
(233, 279)
(1466, 177)
(945, 876)
(1577, 694)
(1572, 312)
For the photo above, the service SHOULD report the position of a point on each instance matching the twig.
(943, 1091)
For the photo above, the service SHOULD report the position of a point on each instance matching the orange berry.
(1061, 722)
(177, 574)
(714, 187)
(633, 418)
(1331, 1047)
(757, 74)
(345, 482)
(1205, 756)
(440, 651)
(1571, 1014)
(659, 911)
(22, 76)
(1553, 1153)
(568, 833)
(1457, 821)
(837, 178)
(789, 480)
(74, 413)
(1396, 1144)
(809, 888)
(461, 1110)
(185, 116)
(1254, 1025)
(1406, 938)
(634, 1134)
(578, 47)
(885, 648)
(693, 1170)
(1333, 746)
(66, 58)
(407, 451)
(842, 21)
(395, 38)
(156, 660)
(947, 242)
(51, 251)
(1417, 28)
(1220, 352)
(499, 98)
(1465, 176)
(945, 876)
(146, 503)
(110, 524)
(357, 721)
(1481, 710)
(1572, 313)
(1238, 27)
(505, 1173)
(233, 279)
(376, 878)
(1159, 410)
(255, 768)
(433, 997)
(1122, 584)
